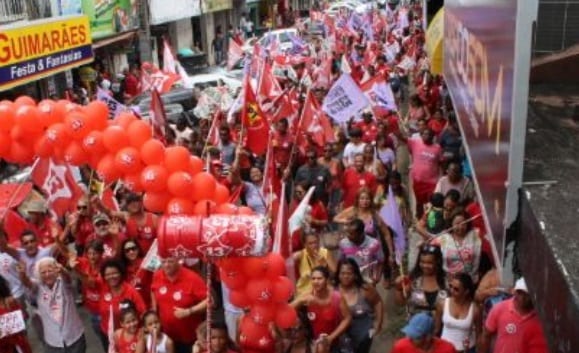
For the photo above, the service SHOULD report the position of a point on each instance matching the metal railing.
(12, 10)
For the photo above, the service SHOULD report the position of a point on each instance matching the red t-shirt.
(108, 243)
(143, 232)
(325, 318)
(404, 345)
(436, 126)
(282, 146)
(425, 160)
(44, 231)
(91, 294)
(369, 131)
(140, 279)
(109, 299)
(131, 85)
(84, 230)
(515, 332)
(187, 290)
(353, 181)
(123, 345)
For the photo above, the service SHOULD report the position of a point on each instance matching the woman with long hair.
(425, 285)
(310, 257)
(326, 308)
(458, 317)
(15, 342)
(364, 303)
(132, 257)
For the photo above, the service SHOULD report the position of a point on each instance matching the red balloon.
(107, 170)
(133, 182)
(93, 143)
(6, 117)
(156, 201)
(195, 165)
(221, 194)
(204, 208)
(239, 298)
(283, 289)
(75, 154)
(42, 148)
(21, 153)
(115, 138)
(57, 135)
(25, 101)
(255, 336)
(275, 264)
(125, 119)
(97, 114)
(180, 206)
(244, 210)
(154, 178)
(77, 125)
(226, 209)
(18, 134)
(204, 186)
(5, 141)
(139, 133)
(176, 158)
(233, 279)
(254, 267)
(286, 316)
(28, 119)
(260, 291)
(262, 314)
(153, 152)
(128, 160)
(180, 184)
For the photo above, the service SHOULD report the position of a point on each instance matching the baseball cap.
(521, 285)
(100, 217)
(419, 326)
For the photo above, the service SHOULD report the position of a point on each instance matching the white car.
(215, 79)
(281, 35)
(351, 6)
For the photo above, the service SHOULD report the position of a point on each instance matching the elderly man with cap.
(515, 325)
(107, 233)
(40, 222)
(420, 337)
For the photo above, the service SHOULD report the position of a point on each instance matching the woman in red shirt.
(132, 257)
(326, 307)
(88, 269)
(115, 291)
(141, 225)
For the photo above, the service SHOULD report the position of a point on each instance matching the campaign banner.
(115, 107)
(11, 323)
(33, 50)
(344, 100)
(109, 17)
(379, 93)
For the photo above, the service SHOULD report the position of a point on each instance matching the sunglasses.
(430, 249)
(131, 248)
(101, 224)
(28, 242)
(82, 207)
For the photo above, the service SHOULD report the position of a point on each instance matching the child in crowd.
(200, 345)
(155, 340)
(129, 336)
(219, 341)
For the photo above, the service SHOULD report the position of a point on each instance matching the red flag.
(14, 225)
(254, 122)
(152, 78)
(109, 200)
(267, 88)
(59, 187)
(213, 134)
(315, 123)
(234, 54)
(281, 107)
(158, 116)
(281, 240)
(169, 62)
(271, 180)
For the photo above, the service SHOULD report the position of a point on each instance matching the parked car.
(177, 101)
(281, 35)
(314, 28)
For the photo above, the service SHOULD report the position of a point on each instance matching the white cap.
(521, 285)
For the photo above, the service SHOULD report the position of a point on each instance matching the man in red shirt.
(419, 337)
(131, 83)
(141, 225)
(282, 144)
(368, 127)
(179, 296)
(515, 324)
(355, 178)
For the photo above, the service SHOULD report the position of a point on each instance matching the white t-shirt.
(30, 262)
(10, 273)
(350, 151)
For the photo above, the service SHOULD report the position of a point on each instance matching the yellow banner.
(434, 38)
(32, 40)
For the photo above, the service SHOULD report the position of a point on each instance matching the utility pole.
(145, 33)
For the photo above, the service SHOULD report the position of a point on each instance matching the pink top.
(325, 318)
(425, 157)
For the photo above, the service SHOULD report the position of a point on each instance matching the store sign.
(33, 50)
(216, 5)
(480, 68)
(109, 17)
(179, 9)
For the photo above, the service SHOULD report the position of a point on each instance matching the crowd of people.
(344, 253)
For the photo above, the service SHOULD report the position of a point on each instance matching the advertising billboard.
(33, 50)
(486, 51)
(109, 17)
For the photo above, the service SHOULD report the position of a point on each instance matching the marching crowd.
(345, 254)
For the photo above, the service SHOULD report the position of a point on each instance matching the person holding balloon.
(326, 308)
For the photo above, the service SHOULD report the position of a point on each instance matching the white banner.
(162, 11)
(344, 100)
(11, 323)
(115, 107)
(380, 94)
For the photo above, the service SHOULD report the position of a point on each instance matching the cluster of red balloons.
(124, 148)
(259, 283)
